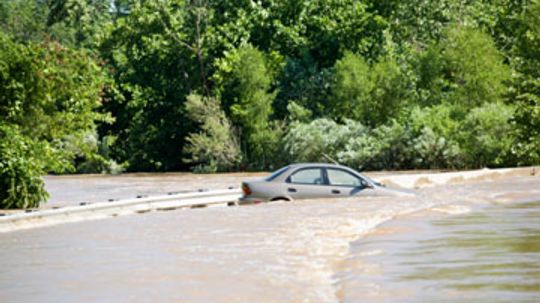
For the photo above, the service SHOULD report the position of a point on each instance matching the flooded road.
(439, 246)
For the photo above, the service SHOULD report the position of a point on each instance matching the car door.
(343, 183)
(307, 183)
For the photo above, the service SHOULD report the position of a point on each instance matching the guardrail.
(117, 208)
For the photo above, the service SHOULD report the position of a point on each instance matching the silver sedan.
(313, 180)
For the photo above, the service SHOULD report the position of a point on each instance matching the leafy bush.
(384, 147)
(431, 150)
(486, 135)
(98, 157)
(51, 92)
(320, 140)
(474, 66)
(215, 147)
(246, 76)
(370, 94)
(21, 168)
(434, 132)
(464, 69)
(439, 118)
(350, 93)
(49, 96)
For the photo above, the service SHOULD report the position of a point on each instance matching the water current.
(470, 242)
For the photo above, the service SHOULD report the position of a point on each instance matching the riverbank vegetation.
(108, 86)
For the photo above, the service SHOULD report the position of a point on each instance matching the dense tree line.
(113, 85)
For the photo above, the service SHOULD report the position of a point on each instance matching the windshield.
(276, 173)
(371, 180)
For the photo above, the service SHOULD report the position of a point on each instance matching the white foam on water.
(452, 209)
(320, 234)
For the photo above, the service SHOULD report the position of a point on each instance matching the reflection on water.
(460, 246)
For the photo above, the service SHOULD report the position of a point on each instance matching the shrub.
(370, 94)
(21, 185)
(385, 147)
(215, 147)
(486, 135)
(435, 133)
(320, 140)
(49, 96)
(431, 150)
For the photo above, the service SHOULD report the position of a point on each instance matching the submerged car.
(313, 180)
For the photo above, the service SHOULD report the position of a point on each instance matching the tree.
(24, 20)
(249, 98)
(157, 54)
(371, 94)
(49, 96)
(214, 147)
(527, 84)
(464, 69)
(474, 66)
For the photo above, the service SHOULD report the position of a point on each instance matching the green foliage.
(487, 135)
(98, 156)
(325, 29)
(383, 147)
(49, 97)
(430, 139)
(51, 93)
(21, 167)
(408, 84)
(305, 84)
(372, 95)
(527, 118)
(153, 52)
(298, 112)
(215, 147)
(434, 131)
(431, 150)
(527, 86)
(250, 102)
(320, 140)
(475, 67)
(352, 88)
(25, 20)
(438, 118)
(464, 68)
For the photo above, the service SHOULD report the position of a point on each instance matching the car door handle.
(291, 190)
(335, 191)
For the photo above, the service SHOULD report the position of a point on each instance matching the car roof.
(281, 176)
(300, 165)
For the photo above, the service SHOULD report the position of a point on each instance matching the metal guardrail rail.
(101, 210)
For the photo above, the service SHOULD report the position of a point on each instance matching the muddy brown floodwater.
(454, 243)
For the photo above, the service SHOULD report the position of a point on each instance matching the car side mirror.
(366, 184)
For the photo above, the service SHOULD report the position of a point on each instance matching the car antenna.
(330, 159)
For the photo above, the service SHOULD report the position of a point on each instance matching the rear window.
(276, 174)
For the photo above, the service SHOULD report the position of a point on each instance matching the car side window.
(307, 176)
(340, 177)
